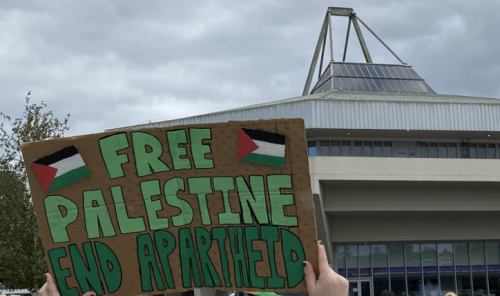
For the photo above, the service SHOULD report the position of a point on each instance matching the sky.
(119, 63)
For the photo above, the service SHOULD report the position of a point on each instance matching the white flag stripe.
(271, 149)
(68, 164)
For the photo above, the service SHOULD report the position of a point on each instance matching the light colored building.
(406, 181)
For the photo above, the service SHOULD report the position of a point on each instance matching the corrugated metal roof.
(367, 110)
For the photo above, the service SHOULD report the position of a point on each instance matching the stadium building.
(406, 181)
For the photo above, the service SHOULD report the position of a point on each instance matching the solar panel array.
(371, 77)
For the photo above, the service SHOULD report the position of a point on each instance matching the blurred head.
(450, 294)
(387, 293)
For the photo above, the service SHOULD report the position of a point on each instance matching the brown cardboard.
(224, 152)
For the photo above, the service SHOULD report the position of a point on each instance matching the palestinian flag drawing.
(60, 169)
(261, 147)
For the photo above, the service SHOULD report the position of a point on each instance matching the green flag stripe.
(265, 159)
(69, 177)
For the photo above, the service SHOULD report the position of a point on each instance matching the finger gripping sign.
(226, 206)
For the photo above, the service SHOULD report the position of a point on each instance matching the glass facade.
(414, 149)
(427, 269)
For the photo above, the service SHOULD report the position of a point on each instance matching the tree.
(22, 262)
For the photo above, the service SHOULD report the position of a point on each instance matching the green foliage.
(22, 262)
(36, 124)
(21, 254)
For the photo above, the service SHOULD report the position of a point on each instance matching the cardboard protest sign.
(157, 210)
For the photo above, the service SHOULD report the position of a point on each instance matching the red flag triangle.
(45, 174)
(246, 145)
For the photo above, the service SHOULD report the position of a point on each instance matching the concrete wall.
(408, 199)
(402, 169)
(383, 211)
(420, 227)
(373, 196)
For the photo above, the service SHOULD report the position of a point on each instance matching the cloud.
(113, 64)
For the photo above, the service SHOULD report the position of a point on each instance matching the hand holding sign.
(50, 288)
(329, 282)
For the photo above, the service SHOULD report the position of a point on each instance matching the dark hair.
(387, 293)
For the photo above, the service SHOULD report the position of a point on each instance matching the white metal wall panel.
(339, 114)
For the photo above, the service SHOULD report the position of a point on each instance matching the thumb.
(51, 285)
(310, 276)
(90, 294)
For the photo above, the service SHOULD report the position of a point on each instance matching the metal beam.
(347, 39)
(401, 61)
(340, 11)
(322, 56)
(322, 226)
(368, 58)
(315, 56)
(331, 38)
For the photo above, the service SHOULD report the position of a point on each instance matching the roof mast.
(351, 76)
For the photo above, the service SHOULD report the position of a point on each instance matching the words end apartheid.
(224, 206)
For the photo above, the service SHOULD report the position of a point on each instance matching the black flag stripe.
(57, 156)
(265, 136)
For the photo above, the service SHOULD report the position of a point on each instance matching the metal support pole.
(454, 268)
(321, 60)
(486, 265)
(368, 58)
(388, 266)
(315, 56)
(347, 39)
(470, 271)
(331, 37)
(378, 38)
(322, 226)
(406, 270)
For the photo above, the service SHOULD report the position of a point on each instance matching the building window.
(433, 150)
(397, 269)
(380, 268)
(311, 148)
(430, 269)
(365, 264)
(443, 150)
(346, 148)
(473, 150)
(377, 149)
(324, 148)
(478, 267)
(427, 269)
(367, 149)
(493, 264)
(387, 149)
(413, 268)
(481, 151)
(462, 269)
(492, 151)
(424, 150)
(452, 150)
(335, 148)
(465, 150)
(446, 270)
(352, 261)
(340, 262)
(418, 149)
(358, 148)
